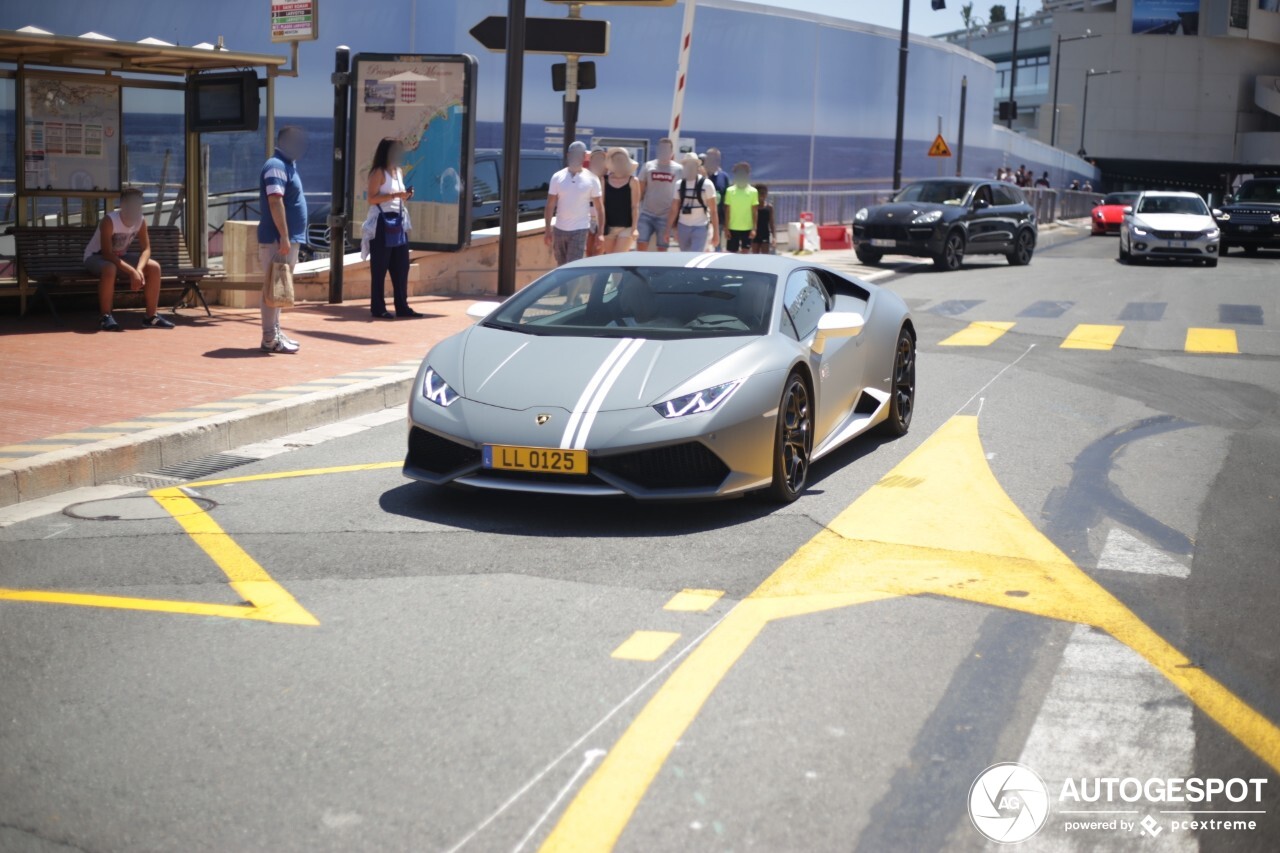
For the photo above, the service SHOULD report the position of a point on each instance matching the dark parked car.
(1250, 219)
(536, 169)
(946, 219)
(317, 245)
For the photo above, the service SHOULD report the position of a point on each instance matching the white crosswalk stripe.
(1108, 713)
(1124, 552)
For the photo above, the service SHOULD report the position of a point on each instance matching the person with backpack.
(694, 210)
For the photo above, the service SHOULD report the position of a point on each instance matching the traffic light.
(939, 4)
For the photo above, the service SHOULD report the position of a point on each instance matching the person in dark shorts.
(742, 203)
(762, 244)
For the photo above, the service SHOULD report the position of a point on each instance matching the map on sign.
(293, 20)
(428, 104)
(71, 135)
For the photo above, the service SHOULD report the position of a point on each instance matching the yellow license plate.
(544, 460)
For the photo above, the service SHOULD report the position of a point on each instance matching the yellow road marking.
(1212, 340)
(90, 436)
(939, 523)
(266, 396)
(35, 448)
(693, 599)
(268, 600)
(1088, 336)
(227, 405)
(289, 475)
(138, 424)
(978, 334)
(645, 645)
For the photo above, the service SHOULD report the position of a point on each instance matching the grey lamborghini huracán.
(663, 376)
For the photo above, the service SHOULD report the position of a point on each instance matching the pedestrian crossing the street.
(1138, 325)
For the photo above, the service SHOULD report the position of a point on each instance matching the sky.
(888, 13)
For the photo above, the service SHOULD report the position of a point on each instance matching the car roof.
(1171, 193)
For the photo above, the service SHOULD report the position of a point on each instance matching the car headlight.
(1275, 217)
(697, 402)
(1211, 233)
(435, 389)
(1222, 215)
(1139, 230)
(1099, 214)
(861, 215)
(927, 218)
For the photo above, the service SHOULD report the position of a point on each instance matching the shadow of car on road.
(525, 514)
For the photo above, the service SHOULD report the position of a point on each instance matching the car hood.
(1175, 221)
(905, 211)
(1110, 211)
(1251, 207)
(518, 371)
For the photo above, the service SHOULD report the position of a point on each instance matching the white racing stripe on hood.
(593, 385)
(588, 417)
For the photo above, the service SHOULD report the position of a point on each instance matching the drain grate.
(193, 469)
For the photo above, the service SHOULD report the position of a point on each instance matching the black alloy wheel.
(793, 444)
(1024, 245)
(902, 399)
(952, 256)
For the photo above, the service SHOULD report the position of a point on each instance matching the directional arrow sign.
(570, 36)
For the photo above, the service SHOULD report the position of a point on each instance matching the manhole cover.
(128, 508)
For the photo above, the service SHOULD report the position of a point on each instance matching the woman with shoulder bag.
(388, 250)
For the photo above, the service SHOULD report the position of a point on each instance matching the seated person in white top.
(107, 257)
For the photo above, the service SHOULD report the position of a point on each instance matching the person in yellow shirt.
(742, 203)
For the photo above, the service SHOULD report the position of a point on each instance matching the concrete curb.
(104, 461)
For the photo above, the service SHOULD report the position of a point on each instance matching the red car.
(1108, 215)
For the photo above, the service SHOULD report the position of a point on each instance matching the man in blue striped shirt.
(282, 226)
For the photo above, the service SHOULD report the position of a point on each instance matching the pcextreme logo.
(1008, 802)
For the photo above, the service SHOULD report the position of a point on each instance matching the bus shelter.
(69, 158)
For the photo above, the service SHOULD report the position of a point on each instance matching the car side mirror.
(480, 310)
(837, 324)
(1128, 208)
(981, 204)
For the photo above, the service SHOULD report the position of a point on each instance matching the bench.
(53, 257)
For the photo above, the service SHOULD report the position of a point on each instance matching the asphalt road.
(434, 670)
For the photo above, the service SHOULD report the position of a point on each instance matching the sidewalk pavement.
(83, 407)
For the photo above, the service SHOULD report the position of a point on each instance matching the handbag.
(277, 291)
(392, 228)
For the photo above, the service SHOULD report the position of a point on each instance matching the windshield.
(1262, 191)
(1120, 198)
(935, 192)
(1172, 204)
(641, 302)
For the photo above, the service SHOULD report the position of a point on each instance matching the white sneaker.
(280, 345)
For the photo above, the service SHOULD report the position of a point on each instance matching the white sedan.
(1170, 225)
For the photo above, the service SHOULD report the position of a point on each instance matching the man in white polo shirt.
(573, 192)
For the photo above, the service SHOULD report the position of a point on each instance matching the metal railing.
(829, 207)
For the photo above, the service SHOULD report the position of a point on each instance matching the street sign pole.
(964, 98)
(902, 94)
(509, 216)
(338, 191)
(571, 91)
